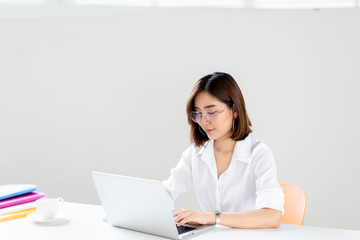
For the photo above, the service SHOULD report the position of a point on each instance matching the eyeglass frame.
(200, 114)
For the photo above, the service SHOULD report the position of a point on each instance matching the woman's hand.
(186, 216)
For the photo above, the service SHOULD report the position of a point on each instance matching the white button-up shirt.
(249, 183)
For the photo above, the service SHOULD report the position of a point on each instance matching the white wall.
(108, 93)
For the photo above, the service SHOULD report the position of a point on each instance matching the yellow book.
(15, 215)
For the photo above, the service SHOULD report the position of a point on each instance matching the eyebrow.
(209, 106)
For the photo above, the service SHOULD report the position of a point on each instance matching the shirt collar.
(242, 150)
(206, 154)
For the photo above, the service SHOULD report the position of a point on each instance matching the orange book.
(15, 215)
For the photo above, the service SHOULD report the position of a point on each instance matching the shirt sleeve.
(180, 179)
(269, 193)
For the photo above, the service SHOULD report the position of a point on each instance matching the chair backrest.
(295, 204)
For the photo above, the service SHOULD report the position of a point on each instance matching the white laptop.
(140, 204)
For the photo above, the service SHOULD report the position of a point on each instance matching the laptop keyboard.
(184, 229)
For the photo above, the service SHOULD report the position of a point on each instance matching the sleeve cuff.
(270, 198)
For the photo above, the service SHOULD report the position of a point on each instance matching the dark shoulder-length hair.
(223, 87)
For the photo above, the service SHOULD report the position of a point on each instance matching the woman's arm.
(260, 218)
(180, 179)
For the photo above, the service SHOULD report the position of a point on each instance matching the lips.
(209, 130)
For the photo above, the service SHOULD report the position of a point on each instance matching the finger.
(178, 217)
(178, 212)
(181, 216)
(181, 210)
(177, 220)
(185, 221)
(185, 218)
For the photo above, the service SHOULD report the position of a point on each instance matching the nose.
(203, 120)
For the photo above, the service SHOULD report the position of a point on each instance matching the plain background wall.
(108, 93)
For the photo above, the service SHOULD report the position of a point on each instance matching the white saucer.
(59, 217)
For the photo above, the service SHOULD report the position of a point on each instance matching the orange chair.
(295, 204)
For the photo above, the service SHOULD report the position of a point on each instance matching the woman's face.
(215, 122)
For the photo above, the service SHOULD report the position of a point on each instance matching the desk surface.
(84, 221)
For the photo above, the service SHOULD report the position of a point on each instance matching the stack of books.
(18, 200)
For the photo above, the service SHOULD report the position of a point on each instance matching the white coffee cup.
(47, 208)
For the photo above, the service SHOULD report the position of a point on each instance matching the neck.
(224, 145)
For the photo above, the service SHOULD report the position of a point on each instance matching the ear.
(235, 114)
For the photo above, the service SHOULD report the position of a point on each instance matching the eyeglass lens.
(196, 117)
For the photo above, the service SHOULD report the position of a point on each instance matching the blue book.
(13, 190)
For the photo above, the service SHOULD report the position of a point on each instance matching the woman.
(233, 174)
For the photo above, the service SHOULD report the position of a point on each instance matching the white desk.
(84, 222)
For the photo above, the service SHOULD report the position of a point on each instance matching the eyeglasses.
(210, 116)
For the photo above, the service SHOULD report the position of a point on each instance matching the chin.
(212, 137)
